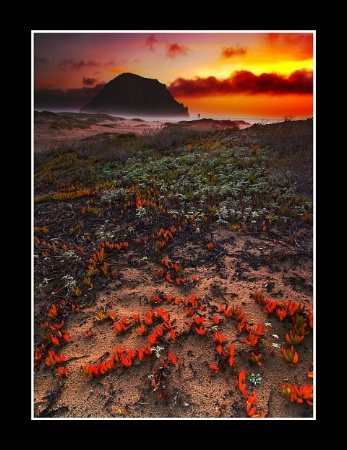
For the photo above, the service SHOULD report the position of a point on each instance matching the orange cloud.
(300, 44)
(150, 41)
(242, 81)
(172, 50)
(229, 52)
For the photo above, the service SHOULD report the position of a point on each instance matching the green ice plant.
(157, 349)
(113, 195)
(69, 254)
(45, 281)
(222, 214)
(141, 212)
(255, 379)
(69, 281)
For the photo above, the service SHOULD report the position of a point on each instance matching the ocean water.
(195, 117)
(249, 120)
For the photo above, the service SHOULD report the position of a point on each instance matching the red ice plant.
(52, 358)
(62, 372)
(298, 394)
(172, 357)
(219, 337)
(242, 385)
(231, 355)
(293, 337)
(214, 368)
(252, 340)
(251, 409)
(200, 330)
(256, 359)
(290, 355)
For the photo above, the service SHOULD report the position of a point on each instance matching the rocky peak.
(132, 95)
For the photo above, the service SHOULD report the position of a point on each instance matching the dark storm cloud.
(89, 81)
(40, 61)
(245, 82)
(78, 64)
(52, 99)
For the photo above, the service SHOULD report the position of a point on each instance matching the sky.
(262, 75)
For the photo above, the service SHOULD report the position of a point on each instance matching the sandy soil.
(48, 133)
(228, 290)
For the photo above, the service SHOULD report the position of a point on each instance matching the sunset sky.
(217, 74)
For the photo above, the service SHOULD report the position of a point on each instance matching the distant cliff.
(130, 94)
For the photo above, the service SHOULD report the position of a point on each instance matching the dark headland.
(129, 95)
